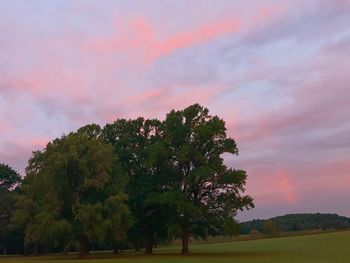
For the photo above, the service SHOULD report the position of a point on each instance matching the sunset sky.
(278, 73)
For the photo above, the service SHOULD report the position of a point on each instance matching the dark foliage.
(9, 178)
(10, 238)
(299, 222)
(133, 183)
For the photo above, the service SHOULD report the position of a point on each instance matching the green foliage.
(231, 227)
(206, 193)
(6, 209)
(119, 218)
(300, 222)
(67, 192)
(8, 177)
(132, 180)
(270, 228)
(137, 144)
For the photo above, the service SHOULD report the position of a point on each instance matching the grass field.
(329, 247)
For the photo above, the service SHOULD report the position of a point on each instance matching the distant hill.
(298, 222)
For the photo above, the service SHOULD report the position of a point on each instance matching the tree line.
(296, 222)
(130, 184)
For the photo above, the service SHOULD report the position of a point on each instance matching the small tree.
(270, 228)
(254, 232)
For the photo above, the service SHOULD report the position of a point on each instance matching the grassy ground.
(329, 247)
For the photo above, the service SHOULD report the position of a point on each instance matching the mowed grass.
(329, 247)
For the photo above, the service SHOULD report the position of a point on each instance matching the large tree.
(74, 188)
(137, 145)
(205, 193)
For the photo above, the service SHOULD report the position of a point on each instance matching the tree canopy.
(299, 222)
(131, 183)
(207, 194)
(8, 177)
(137, 143)
(72, 189)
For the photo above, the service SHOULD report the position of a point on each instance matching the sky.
(277, 72)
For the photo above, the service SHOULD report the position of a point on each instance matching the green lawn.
(329, 247)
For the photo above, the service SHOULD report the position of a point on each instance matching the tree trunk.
(185, 238)
(35, 249)
(116, 249)
(137, 245)
(149, 243)
(67, 248)
(45, 250)
(84, 246)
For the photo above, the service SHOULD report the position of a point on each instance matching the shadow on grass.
(217, 254)
(137, 256)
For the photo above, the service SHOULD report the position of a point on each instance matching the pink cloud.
(270, 12)
(4, 127)
(331, 176)
(199, 35)
(286, 186)
(145, 41)
(79, 70)
(271, 187)
(137, 34)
